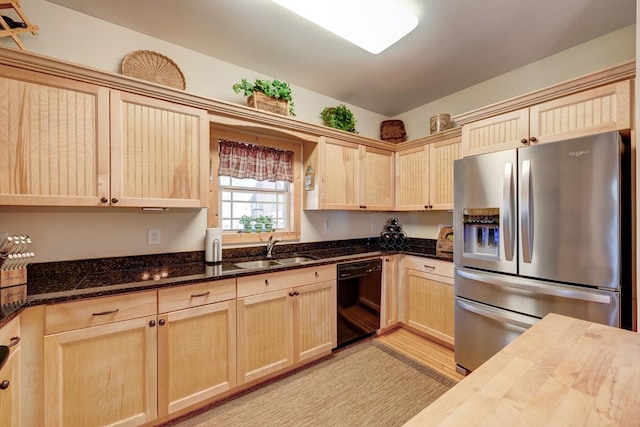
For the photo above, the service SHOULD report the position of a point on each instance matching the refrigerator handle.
(526, 212)
(503, 316)
(507, 211)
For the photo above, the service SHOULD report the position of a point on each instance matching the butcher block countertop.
(561, 372)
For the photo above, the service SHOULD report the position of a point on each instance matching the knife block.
(13, 286)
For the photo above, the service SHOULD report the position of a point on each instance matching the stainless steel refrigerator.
(539, 229)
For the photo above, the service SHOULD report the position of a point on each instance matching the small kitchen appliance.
(213, 245)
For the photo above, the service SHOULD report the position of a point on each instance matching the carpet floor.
(365, 385)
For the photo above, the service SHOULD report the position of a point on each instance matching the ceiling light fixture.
(373, 25)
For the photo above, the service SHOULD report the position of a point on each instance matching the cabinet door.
(10, 391)
(377, 179)
(441, 157)
(389, 312)
(159, 153)
(412, 179)
(196, 355)
(429, 303)
(54, 140)
(265, 334)
(314, 308)
(497, 133)
(602, 109)
(339, 175)
(102, 375)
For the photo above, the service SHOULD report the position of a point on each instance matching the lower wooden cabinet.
(196, 355)
(280, 328)
(428, 297)
(389, 312)
(102, 375)
(10, 391)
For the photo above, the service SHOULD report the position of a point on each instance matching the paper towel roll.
(213, 245)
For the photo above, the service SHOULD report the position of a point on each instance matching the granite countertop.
(71, 280)
(561, 371)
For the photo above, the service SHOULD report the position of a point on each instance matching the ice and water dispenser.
(481, 232)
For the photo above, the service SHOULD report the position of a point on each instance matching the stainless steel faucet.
(270, 244)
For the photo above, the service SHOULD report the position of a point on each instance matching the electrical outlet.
(153, 236)
(327, 226)
(374, 227)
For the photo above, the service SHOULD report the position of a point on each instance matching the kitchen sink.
(263, 263)
(267, 263)
(295, 260)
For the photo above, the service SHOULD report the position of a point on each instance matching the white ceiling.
(457, 43)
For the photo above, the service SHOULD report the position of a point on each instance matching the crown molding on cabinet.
(624, 71)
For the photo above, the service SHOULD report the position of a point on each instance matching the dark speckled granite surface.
(70, 280)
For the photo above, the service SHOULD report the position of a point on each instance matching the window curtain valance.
(241, 160)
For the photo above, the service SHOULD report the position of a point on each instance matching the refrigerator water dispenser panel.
(481, 236)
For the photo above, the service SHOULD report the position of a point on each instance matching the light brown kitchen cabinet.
(284, 318)
(67, 143)
(424, 175)
(196, 343)
(103, 370)
(10, 376)
(389, 309)
(54, 137)
(428, 297)
(602, 109)
(350, 176)
(159, 153)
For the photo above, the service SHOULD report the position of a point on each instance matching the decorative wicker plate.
(153, 67)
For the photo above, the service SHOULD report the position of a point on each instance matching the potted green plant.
(268, 223)
(339, 117)
(259, 222)
(272, 90)
(246, 222)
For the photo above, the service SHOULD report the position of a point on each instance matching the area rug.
(366, 385)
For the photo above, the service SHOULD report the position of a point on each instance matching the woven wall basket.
(153, 67)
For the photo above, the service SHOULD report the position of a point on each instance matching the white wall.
(80, 233)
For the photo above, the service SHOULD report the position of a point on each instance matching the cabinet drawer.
(269, 282)
(182, 297)
(429, 265)
(99, 311)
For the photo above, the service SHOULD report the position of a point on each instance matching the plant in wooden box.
(339, 117)
(270, 95)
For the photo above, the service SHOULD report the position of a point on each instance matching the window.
(249, 197)
(231, 197)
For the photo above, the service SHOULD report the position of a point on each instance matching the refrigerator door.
(537, 298)
(569, 211)
(484, 213)
(481, 331)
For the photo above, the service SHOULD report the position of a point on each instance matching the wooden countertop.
(561, 372)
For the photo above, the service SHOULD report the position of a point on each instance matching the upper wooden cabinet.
(424, 175)
(159, 152)
(349, 176)
(602, 109)
(67, 143)
(54, 140)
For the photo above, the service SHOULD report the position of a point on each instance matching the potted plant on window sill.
(339, 117)
(246, 222)
(269, 95)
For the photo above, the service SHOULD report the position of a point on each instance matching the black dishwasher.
(359, 295)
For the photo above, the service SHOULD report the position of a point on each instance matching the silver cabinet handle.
(525, 219)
